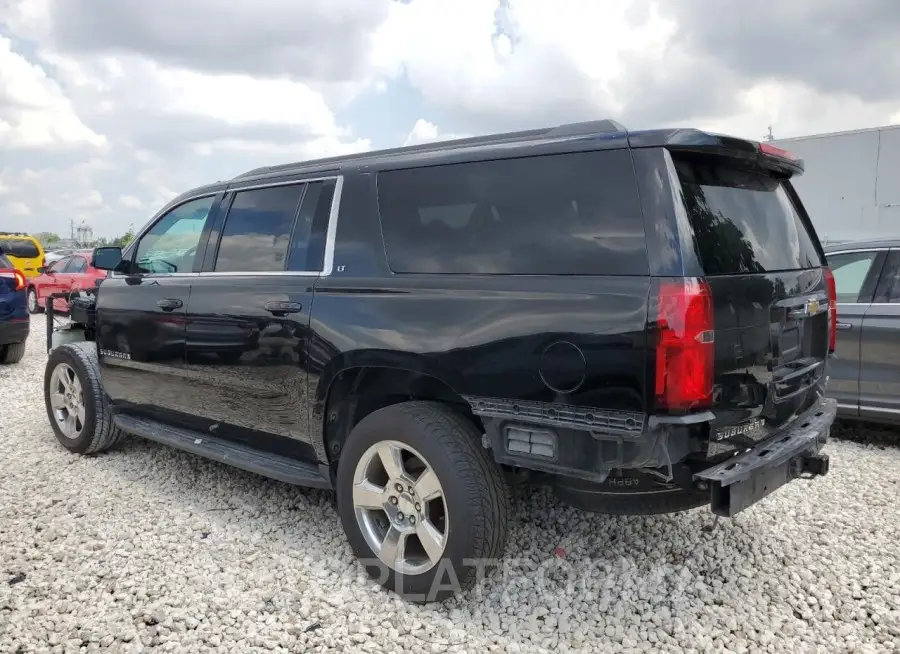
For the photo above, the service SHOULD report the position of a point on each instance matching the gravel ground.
(146, 547)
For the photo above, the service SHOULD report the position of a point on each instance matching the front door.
(140, 313)
(855, 275)
(879, 384)
(248, 318)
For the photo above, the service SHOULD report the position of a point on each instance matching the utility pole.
(770, 136)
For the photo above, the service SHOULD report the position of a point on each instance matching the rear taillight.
(18, 278)
(832, 309)
(772, 151)
(685, 348)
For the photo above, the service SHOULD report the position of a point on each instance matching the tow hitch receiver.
(743, 480)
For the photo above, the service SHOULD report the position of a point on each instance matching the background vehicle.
(640, 320)
(71, 273)
(14, 322)
(55, 255)
(24, 251)
(865, 373)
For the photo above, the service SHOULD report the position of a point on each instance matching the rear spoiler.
(762, 155)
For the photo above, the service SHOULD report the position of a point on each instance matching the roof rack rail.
(586, 128)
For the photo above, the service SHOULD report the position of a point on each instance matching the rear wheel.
(33, 306)
(12, 353)
(422, 503)
(76, 404)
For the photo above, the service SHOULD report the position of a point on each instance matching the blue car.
(14, 318)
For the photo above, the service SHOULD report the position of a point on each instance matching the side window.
(571, 214)
(889, 285)
(308, 243)
(257, 230)
(850, 271)
(59, 266)
(76, 265)
(23, 248)
(171, 244)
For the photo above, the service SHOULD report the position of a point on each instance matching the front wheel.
(423, 505)
(33, 306)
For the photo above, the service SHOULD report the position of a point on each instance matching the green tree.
(47, 237)
(124, 239)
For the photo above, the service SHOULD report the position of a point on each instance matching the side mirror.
(106, 258)
(42, 270)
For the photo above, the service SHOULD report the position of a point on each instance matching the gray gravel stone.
(146, 547)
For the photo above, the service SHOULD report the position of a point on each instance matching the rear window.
(572, 214)
(19, 247)
(743, 220)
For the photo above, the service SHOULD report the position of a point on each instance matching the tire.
(475, 498)
(12, 353)
(98, 432)
(33, 306)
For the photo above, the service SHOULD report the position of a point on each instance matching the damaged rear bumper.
(746, 478)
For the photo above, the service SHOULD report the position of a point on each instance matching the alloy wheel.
(67, 401)
(400, 507)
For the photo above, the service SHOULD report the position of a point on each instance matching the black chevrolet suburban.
(640, 320)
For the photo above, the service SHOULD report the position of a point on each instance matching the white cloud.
(425, 132)
(131, 202)
(17, 209)
(34, 111)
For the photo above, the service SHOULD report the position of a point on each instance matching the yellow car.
(24, 251)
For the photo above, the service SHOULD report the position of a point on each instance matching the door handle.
(283, 308)
(843, 325)
(170, 304)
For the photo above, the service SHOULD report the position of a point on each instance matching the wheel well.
(360, 391)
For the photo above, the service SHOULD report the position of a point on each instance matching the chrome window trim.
(878, 409)
(868, 304)
(330, 233)
(856, 250)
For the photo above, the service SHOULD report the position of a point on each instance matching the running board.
(218, 449)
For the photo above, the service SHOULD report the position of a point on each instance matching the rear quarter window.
(22, 248)
(571, 214)
(743, 220)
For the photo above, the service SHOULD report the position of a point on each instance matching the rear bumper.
(743, 480)
(14, 331)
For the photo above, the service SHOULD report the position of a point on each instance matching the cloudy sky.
(108, 108)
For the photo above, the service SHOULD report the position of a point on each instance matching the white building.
(851, 186)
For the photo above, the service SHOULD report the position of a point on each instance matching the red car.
(68, 274)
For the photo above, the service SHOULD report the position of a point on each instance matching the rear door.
(879, 382)
(249, 313)
(752, 242)
(856, 274)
